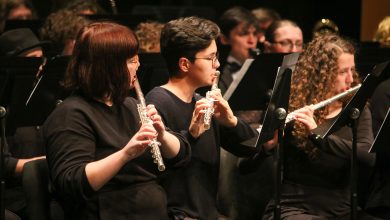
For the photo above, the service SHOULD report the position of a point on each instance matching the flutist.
(189, 46)
(96, 146)
(316, 172)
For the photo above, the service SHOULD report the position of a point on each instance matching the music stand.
(382, 141)
(251, 87)
(350, 115)
(275, 120)
(31, 104)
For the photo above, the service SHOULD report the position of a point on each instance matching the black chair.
(36, 185)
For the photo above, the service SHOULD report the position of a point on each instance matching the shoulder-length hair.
(97, 68)
(313, 79)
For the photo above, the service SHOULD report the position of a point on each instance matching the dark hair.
(12, 4)
(235, 16)
(184, 37)
(97, 68)
(82, 5)
(270, 32)
(62, 25)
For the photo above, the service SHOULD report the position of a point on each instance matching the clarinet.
(154, 145)
(210, 111)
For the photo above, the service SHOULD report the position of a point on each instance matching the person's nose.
(349, 78)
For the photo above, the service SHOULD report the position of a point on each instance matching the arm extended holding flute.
(305, 115)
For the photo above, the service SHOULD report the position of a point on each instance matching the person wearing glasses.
(190, 50)
(97, 150)
(283, 36)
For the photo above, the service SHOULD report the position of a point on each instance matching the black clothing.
(231, 67)
(320, 186)
(81, 131)
(378, 202)
(192, 190)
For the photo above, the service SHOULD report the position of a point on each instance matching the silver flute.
(290, 117)
(210, 110)
(154, 145)
(326, 102)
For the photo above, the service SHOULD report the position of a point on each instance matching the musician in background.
(265, 17)
(189, 47)
(283, 36)
(97, 150)
(239, 31)
(317, 172)
(61, 28)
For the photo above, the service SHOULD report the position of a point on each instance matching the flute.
(154, 145)
(326, 102)
(210, 110)
(290, 117)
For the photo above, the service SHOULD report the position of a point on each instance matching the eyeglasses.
(213, 58)
(289, 44)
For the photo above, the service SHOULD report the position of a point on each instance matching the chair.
(36, 185)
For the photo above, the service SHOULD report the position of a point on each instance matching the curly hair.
(313, 80)
(382, 34)
(62, 25)
(148, 34)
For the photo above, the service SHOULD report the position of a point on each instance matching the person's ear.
(184, 64)
(224, 40)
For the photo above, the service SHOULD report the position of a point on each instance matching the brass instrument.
(210, 111)
(154, 145)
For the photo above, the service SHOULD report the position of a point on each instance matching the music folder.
(382, 141)
(252, 84)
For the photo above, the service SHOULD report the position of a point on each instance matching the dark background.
(346, 13)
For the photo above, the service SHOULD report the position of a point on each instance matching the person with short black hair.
(190, 49)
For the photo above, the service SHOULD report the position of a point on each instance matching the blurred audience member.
(148, 34)
(265, 17)
(325, 26)
(283, 36)
(382, 34)
(61, 29)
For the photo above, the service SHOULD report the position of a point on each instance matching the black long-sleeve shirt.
(192, 190)
(81, 131)
(321, 185)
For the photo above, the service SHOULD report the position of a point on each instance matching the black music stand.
(274, 119)
(251, 89)
(350, 115)
(3, 113)
(382, 141)
(33, 100)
